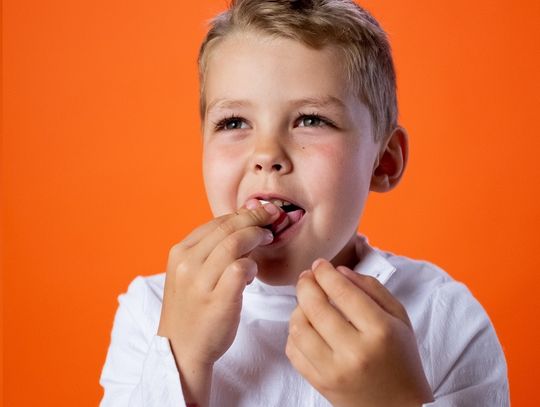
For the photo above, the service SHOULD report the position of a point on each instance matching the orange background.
(101, 169)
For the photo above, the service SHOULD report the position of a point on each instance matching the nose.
(270, 156)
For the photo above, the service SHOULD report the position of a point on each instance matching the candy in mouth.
(290, 214)
(284, 205)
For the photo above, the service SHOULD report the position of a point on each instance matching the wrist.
(195, 376)
(196, 381)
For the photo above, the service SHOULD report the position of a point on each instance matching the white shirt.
(458, 346)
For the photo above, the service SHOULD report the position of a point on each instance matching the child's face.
(268, 91)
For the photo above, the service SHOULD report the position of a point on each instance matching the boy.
(278, 301)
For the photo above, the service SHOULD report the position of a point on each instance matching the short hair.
(364, 45)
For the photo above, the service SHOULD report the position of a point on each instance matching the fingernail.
(253, 204)
(271, 208)
(316, 263)
(268, 237)
(303, 273)
(343, 270)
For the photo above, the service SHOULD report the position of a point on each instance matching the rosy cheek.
(222, 174)
(343, 172)
(327, 159)
(329, 152)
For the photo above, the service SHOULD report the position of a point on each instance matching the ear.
(391, 161)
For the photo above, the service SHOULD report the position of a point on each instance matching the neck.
(348, 256)
(288, 273)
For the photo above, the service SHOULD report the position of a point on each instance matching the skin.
(326, 169)
(361, 351)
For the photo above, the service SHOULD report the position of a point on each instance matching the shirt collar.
(372, 263)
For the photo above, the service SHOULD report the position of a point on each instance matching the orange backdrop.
(101, 169)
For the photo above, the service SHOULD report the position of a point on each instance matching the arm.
(206, 276)
(202, 299)
(354, 342)
(139, 369)
(467, 362)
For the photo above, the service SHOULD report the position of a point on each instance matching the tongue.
(295, 216)
(285, 220)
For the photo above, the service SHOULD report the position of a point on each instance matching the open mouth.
(290, 215)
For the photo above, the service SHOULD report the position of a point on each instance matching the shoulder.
(142, 300)
(456, 338)
(420, 271)
(427, 289)
(423, 281)
(142, 287)
(415, 282)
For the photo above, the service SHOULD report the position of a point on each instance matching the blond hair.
(317, 23)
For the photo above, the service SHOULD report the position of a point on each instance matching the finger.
(232, 248)
(357, 306)
(261, 216)
(179, 250)
(201, 231)
(302, 364)
(308, 340)
(235, 278)
(196, 235)
(378, 292)
(323, 316)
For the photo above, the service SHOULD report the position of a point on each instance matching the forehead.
(249, 67)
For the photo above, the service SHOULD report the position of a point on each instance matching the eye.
(313, 120)
(230, 123)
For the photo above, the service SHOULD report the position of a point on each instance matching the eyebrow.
(322, 101)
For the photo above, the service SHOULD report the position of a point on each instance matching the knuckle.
(221, 220)
(341, 292)
(334, 380)
(295, 316)
(237, 268)
(339, 379)
(402, 311)
(300, 284)
(317, 310)
(294, 330)
(352, 357)
(358, 364)
(371, 282)
(303, 290)
(182, 268)
(231, 244)
(176, 250)
(226, 228)
(383, 332)
(319, 383)
(259, 215)
(289, 350)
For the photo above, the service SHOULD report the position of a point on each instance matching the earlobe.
(391, 162)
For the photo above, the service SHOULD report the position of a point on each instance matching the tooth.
(277, 202)
(262, 201)
(286, 203)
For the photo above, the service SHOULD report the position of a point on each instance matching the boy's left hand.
(360, 352)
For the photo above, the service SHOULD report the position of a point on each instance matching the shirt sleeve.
(467, 364)
(139, 369)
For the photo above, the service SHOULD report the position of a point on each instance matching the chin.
(270, 277)
(278, 270)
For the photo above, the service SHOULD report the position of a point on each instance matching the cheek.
(340, 178)
(339, 169)
(222, 171)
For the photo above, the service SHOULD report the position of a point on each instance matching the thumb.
(378, 293)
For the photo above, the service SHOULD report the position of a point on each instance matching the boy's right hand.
(206, 275)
